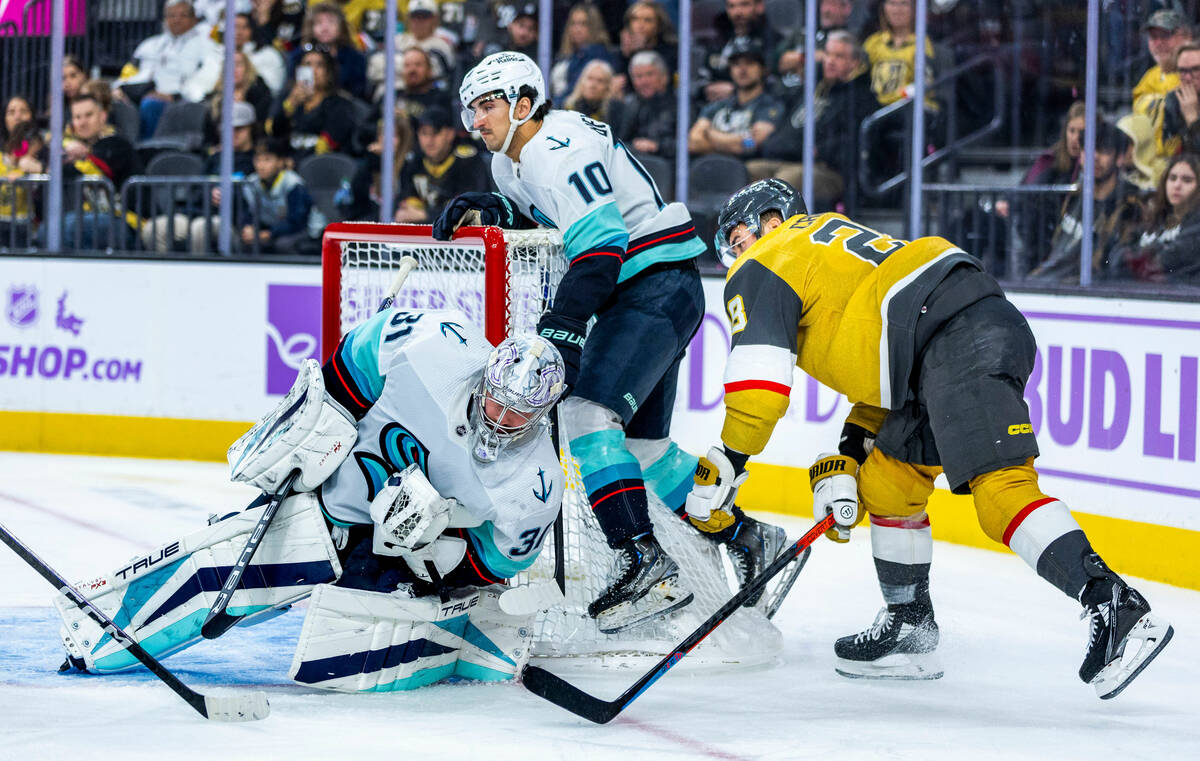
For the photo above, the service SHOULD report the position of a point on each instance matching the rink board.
(174, 359)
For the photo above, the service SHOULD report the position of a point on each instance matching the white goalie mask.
(502, 75)
(523, 379)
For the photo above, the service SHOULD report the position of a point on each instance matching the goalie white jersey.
(410, 375)
(575, 176)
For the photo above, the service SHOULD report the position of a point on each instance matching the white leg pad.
(355, 640)
(162, 598)
(495, 644)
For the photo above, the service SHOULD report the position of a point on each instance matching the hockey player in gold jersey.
(934, 359)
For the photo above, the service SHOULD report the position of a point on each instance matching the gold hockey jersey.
(835, 298)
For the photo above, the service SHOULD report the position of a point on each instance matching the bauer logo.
(22, 306)
(293, 323)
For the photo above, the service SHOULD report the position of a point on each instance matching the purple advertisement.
(293, 324)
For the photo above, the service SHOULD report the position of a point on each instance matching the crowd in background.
(309, 83)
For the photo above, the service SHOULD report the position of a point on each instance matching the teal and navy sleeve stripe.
(352, 374)
(595, 246)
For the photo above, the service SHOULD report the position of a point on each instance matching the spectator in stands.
(198, 225)
(314, 118)
(739, 124)
(420, 31)
(519, 26)
(584, 39)
(1168, 31)
(645, 119)
(278, 23)
(288, 221)
(418, 88)
(325, 28)
(1166, 246)
(647, 27)
(1140, 164)
(248, 87)
(1037, 215)
(742, 20)
(1181, 107)
(18, 110)
(892, 52)
(162, 64)
(842, 99)
(831, 15)
(1116, 206)
(441, 169)
(362, 203)
(593, 91)
(18, 157)
(267, 60)
(94, 149)
(74, 76)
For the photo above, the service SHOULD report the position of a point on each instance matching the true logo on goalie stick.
(149, 561)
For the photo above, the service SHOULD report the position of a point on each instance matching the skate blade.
(1154, 634)
(660, 600)
(899, 666)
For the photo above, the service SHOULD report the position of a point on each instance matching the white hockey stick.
(217, 622)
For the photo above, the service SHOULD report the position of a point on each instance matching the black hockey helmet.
(747, 207)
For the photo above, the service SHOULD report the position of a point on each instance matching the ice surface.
(1010, 645)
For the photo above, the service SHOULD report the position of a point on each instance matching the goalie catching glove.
(835, 490)
(408, 513)
(309, 431)
(710, 503)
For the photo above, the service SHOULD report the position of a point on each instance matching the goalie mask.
(747, 207)
(522, 380)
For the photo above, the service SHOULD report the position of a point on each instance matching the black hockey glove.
(856, 442)
(493, 208)
(567, 334)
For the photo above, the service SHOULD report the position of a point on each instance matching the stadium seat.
(663, 173)
(125, 119)
(181, 128)
(323, 175)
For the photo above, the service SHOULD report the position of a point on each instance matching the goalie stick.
(565, 695)
(217, 622)
(245, 706)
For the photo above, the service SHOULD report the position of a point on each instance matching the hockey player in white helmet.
(633, 267)
(427, 478)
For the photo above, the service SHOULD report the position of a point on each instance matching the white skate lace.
(883, 621)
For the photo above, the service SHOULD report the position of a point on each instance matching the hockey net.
(503, 280)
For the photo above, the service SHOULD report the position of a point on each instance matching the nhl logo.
(22, 307)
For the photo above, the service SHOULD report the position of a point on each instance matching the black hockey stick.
(565, 695)
(246, 706)
(217, 622)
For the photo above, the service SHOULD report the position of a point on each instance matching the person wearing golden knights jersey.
(934, 359)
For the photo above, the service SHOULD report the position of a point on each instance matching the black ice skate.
(647, 586)
(1118, 615)
(752, 545)
(899, 645)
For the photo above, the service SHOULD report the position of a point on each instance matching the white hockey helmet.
(523, 378)
(502, 74)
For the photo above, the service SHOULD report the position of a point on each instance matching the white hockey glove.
(408, 513)
(835, 490)
(308, 431)
(444, 553)
(710, 503)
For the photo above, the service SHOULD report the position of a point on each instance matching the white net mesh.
(452, 274)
